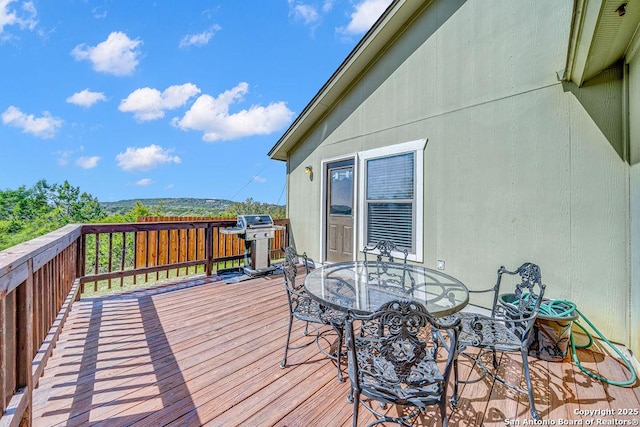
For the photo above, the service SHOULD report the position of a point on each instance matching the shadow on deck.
(200, 352)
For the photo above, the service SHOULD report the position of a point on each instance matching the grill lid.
(254, 221)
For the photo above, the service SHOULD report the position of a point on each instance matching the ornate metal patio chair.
(399, 363)
(508, 328)
(306, 309)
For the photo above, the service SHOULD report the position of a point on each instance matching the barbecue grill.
(256, 230)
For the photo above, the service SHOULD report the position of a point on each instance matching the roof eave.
(602, 33)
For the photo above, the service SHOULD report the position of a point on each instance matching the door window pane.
(341, 188)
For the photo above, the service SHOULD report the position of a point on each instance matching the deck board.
(197, 352)
(562, 392)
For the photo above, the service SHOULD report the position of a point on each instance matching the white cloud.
(211, 116)
(98, 13)
(311, 12)
(305, 12)
(118, 55)
(86, 98)
(88, 162)
(25, 17)
(145, 158)
(149, 104)
(364, 16)
(259, 179)
(63, 157)
(42, 127)
(200, 39)
(144, 182)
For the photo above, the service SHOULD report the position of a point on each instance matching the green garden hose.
(563, 308)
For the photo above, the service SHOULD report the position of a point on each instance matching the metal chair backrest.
(524, 303)
(396, 361)
(293, 285)
(404, 281)
(385, 249)
(399, 329)
(290, 268)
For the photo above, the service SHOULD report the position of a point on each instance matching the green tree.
(138, 210)
(42, 197)
(26, 213)
(67, 199)
(250, 206)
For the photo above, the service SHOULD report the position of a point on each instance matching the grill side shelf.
(232, 230)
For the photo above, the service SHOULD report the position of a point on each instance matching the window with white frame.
(391, 204)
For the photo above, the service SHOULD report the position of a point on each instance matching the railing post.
(81, 247)
(24, 332)
(3, 353)
(286, 235)
(208, 249)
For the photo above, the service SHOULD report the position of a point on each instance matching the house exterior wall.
(634, 182)
(516, 168)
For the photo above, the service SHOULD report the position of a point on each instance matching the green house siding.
(516, 168)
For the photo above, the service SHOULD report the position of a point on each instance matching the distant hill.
(172, 206)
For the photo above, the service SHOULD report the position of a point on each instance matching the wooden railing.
(144, 251)
(40, 279)
(38, 282)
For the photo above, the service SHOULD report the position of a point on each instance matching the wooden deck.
(208, 353)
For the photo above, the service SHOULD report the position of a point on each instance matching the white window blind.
(390, 200)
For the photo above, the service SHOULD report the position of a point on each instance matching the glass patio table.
(362, 287)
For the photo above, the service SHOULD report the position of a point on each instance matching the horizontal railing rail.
(40, 279)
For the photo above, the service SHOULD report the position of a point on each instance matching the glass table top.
(364, 286)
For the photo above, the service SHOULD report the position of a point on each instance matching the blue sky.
(150, 99)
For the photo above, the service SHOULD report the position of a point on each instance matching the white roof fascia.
(583, 27)
(633, 46)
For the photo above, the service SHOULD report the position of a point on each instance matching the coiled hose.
(564, 308)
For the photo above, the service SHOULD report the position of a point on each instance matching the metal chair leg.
(525, 363)
(454, 397)
(283, 363)
(443, 413)
(340, 333)
(306, 329)
(356, 404)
